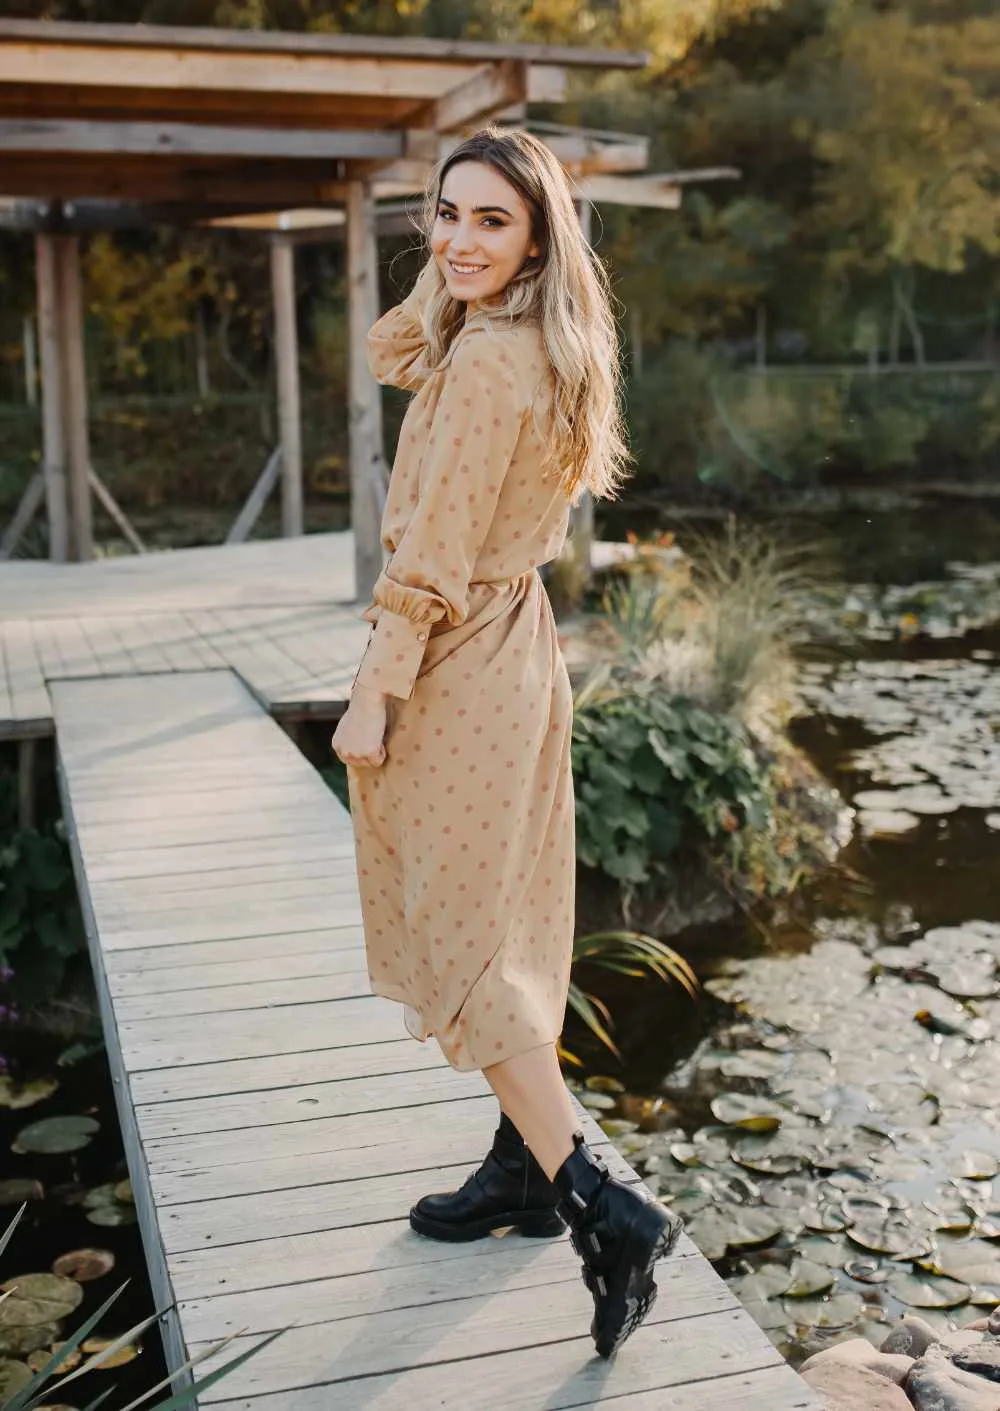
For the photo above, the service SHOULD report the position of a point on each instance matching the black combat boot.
(619, 1232)
(510, 1188)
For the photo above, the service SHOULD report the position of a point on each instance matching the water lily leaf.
(715, 1232)
(822, 1218)
(988, 1228)
(979, 1165)
(38, 1298)
(970, 978)
(687, 1154)
(894, 1235)
(985, 1296)
(56, 1135)
(38, 1359)
(84, 1264)
(128, 1352)
(751, 1063)
(929, 1293)
(867, 1271)
(19, 1095)
(766, 1281)
(840, 1311)
(822, 1250)
(600, 1083)
(968, 1263)
(13, 1376)
(769, 1163)
(111, 1215)
(598, 1102)
(809, 1278)
(123, 1192)
(20, 1189)
(17, 1340)
(753, 1114)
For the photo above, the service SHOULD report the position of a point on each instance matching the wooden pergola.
(110, 126)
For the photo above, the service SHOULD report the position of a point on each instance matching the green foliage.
(40, 1387)
(40, 924)
(652, 774)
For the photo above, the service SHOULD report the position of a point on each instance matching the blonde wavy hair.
(566, 291)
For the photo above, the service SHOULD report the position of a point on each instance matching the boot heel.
(542, 1224)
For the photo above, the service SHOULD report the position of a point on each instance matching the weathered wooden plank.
(335, 1255)
(308, 1101)
(214, 962)
(330, 1205)
(331, 1024)
(311, 1368)
(401, 1055)
(446, 1285)
(29, 697)
(262, 994)
(117, 901)
(329, 917)
(258, 876)
(188, 860)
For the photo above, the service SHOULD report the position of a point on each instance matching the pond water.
(825, 1116)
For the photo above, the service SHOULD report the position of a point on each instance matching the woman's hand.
(359, 739)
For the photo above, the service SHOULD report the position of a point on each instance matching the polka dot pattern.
(465, 836)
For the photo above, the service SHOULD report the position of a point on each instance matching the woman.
(457, 737)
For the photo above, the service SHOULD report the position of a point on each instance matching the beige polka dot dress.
(465, 835)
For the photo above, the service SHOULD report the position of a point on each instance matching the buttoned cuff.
(393, 655)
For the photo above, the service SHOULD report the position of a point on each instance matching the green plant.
(653, 772)
(626, 953)
(29, 1396)
(40, 924)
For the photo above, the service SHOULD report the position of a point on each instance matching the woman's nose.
(463, 240)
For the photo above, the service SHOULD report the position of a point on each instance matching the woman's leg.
(531, 1091)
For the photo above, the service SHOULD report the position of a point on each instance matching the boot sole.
(536, 1224)
(649, 1241)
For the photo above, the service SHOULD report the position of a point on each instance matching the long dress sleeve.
(472, 439)
(397, 346)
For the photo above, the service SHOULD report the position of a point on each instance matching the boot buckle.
(594, 1241)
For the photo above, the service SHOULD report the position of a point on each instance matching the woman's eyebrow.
(476, 210)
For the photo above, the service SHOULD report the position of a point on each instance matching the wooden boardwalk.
(278, 1120)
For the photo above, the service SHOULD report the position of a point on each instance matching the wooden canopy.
(241, 120)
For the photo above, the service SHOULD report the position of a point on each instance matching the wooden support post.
(363, 391)
(286, 345)
(74, 368)
(256, 500)
(53, 438)
(30, 345)
(27, 508)
(581, 526)
(26, 790)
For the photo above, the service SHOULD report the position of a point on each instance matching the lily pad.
(929, 1293)
(979, 1166)
(752, 1063)
(984, 1296)
(19, 1189)
(809, 1278)
(14, 1376)
(84, 1264)
(894, 1236)
(840, 1311)
(54, 1136)
(753, 1114)
(19, 1095)
(128, 1352)
(112, 1215)
(715, 1232)
(867, 1271)
(18, 1339)
(38, 1359)
(38, 1298)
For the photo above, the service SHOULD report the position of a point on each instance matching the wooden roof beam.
(271, 42)
(247, 184)
(167, 140)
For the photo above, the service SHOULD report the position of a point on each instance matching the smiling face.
(481, 234)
